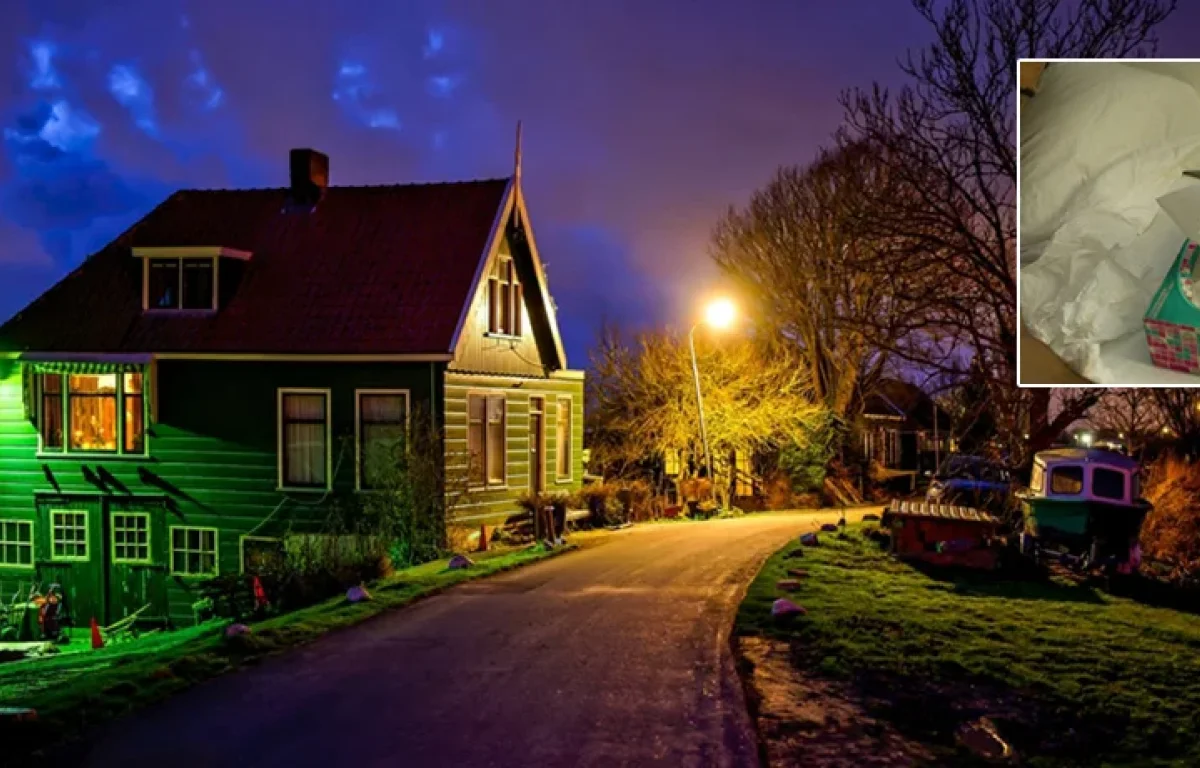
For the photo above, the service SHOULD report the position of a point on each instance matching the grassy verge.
(79, 690)
(1071, 675)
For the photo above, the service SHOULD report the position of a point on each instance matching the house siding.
(494, 505)
(479, 351)
(212, 456)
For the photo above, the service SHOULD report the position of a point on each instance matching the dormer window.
(504, 300)
(181, 284)
(183, 279)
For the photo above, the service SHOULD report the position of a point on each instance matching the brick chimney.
(309, 175)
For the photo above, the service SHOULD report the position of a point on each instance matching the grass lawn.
(1070, 675)
(74, 691)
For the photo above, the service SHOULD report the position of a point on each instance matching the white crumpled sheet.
(1086, 290)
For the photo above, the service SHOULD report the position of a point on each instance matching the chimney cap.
(308, 174)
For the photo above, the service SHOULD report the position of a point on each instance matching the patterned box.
(1173, 320)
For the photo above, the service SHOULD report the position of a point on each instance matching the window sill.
(179, 312)
(474, 488)
(85, 455)
(501, 336)
(563, 480)
(306, 489)
(193, 576)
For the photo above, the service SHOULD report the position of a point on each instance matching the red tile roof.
(372, 270)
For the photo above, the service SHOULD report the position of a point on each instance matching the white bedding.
(1094, 243)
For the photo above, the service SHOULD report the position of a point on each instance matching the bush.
(536, 504)
(1171, 534)
(637, 501)
(805, 462)
(600, 500)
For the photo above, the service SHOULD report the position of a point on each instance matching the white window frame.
(570, 401)
(280, 480)
(112, 530)
(87, 536)
(358, 393)
(516, 302)
(6, 543)
(242, 547)
(488, 483)
(216, 551)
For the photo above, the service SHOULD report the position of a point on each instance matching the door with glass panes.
(136, 559)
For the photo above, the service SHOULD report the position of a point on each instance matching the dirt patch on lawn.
(803, 720)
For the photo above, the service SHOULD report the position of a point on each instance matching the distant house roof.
(905, 403)
(369, 270)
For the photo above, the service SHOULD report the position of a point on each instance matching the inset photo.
(1109, 222)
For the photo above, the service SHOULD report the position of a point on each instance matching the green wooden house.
(199, 388)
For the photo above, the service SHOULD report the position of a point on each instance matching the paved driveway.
(614, 655)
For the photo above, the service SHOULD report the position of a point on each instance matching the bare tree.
(794, 252)
(1180, 413)
(949, 139)
(1133, 413)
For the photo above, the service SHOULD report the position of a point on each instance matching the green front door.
(70, 553)
(136, 555)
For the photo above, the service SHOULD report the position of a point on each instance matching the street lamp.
(719, 315)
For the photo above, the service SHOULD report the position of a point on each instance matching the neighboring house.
(903, 429)
(199, 388)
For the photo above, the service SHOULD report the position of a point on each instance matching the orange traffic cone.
(97, 641)
(483, 542)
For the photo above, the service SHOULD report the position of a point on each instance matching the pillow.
(1080, 133)
(1184, 71)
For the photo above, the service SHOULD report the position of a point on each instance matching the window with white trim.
(92, 413)
(16, 543)
(303, 439)
(382, 425)
(181, 283)
(504, 299)
(562, 442)
(68, 534)
(130, 537)
(193, 551)
(486, 439)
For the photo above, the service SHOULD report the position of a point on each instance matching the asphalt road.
(614, 655)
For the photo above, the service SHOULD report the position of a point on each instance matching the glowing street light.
(718, 315)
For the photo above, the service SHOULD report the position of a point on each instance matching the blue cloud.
(360, 98)
(443, 86)
(42, 76)
(132, 91)
(435, 41)
(201, 82)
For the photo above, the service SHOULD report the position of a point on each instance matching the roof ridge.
(396, 185)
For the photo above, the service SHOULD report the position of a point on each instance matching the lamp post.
(719, 314)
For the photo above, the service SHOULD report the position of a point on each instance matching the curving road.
(613, 655)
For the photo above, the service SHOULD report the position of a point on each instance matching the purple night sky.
(643, 120)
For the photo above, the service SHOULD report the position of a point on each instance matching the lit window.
(52, 413)
(486, 441)
(1066, 480)
(382, 417)
(303, 437)
(180, 283)
(131, 537)
(562, 443)
(16, 543)
(194, 551)
(92, 413)
(68, 535)
(89, 411)
(504, 300)
(134, 413)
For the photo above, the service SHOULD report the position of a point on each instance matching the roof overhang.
(185, 251)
